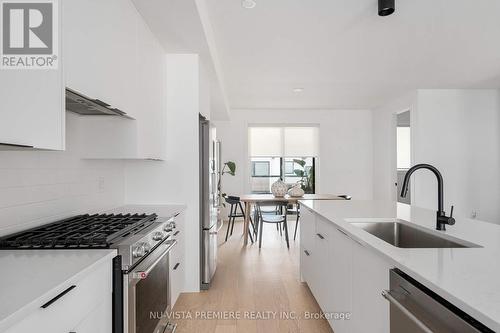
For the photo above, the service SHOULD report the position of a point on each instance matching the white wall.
(384, 145)
(176, 180)
(458, 131)
(345, 161)
(37, 187)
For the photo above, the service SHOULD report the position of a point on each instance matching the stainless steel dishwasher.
(415, 309)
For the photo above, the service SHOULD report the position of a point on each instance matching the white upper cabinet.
(99, 46)
(32, 106)
(111, 55)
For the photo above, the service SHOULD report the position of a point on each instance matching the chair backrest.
(277, 204)
(232, 199)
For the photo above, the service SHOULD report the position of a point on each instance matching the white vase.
(279, 188)
(296, 191)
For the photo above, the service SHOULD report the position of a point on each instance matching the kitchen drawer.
(69, 309)
(324, 230)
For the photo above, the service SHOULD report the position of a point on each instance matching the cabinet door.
(370, 275)
(32, 106)
(150, 91)
(307, 227)
(98, 321)
(323, 270)
(177, 260)
(99, 44)
(341, 281)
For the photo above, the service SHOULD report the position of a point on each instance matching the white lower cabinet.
(177, 261)
(307, 252)
(345, 277)
(341, 259)
(98, 320)
(370, 275)
(73, 305)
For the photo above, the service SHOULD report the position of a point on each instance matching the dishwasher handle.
(387, 295)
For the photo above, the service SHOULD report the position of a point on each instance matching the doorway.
(403, 152)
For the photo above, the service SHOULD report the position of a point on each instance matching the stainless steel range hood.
(86, 106)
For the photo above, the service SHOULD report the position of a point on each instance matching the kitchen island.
(359, 262)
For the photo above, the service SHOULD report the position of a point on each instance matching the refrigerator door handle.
(221, 225)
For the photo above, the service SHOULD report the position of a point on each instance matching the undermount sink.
(402, 235)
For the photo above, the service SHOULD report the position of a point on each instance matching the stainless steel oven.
(147, 292)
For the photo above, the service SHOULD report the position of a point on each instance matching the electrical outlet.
(101, 184)
(473, 214)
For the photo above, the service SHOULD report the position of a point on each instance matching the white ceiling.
(180, 28)
(346, 56)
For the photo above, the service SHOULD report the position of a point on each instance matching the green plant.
(228, 168)
(306, 174)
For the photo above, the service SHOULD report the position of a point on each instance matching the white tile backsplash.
(38, 187)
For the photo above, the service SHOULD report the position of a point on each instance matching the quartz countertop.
(466, 277)
(30, 278)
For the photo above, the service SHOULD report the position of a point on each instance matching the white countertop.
(162, 210)
(467, 277)
(29, 278)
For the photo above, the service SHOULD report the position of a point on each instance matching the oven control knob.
(139, 251)
(158, 236)
(172, 225)
(167, 228)
(147, 247)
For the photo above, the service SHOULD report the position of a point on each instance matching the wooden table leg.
(246, 223)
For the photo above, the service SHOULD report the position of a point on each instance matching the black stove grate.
(82, 231)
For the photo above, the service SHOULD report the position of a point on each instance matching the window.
(260, 168)
(288, 153)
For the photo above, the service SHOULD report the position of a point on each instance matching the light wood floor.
(249, 282)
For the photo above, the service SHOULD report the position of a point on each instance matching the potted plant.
(307, 176)
(228, 168)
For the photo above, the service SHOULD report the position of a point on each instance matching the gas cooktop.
(82, 231)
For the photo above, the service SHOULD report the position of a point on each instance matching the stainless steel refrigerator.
(210, 223)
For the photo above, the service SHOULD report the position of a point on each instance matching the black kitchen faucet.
(441, 219)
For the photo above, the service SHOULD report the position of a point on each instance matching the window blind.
(269, 141)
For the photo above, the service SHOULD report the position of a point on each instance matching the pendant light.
(385, 7)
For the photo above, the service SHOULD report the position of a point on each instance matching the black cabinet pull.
(320, 236)
(307, 253)
(176, 233)
(49, 303)
(176, 266)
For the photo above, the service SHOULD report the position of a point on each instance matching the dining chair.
(277, 219)
(235, 203)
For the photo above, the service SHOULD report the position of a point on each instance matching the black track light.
(385, 7)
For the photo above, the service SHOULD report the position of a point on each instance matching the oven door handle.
(387, 295)
(142, 274)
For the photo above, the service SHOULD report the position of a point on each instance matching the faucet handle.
(451, 220)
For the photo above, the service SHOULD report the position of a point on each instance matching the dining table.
(251, 199)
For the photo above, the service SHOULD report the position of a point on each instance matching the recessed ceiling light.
(298, 90)
(248, 4)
